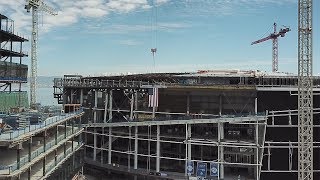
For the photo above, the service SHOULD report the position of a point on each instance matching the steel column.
(135, 148)
(158, 150)
(110, 145)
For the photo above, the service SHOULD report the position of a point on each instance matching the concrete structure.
(245, 122)
(36, 152)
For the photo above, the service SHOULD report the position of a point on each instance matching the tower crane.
(274, 36)
(35, 6)
(305, 91)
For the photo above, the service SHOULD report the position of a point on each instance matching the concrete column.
(102, 145)
(158, 150)
(131, 106)
(221, 150)
(256, 105)
(56, 135)
(257, 150)
(95, 106)
(72, 130)
(71, 96)
(72, 141)
(106, 107)
(188, 103)
(135, 166)
(65, 130)
(29, 173)
(136, 104)
(44, 140)
(129, 149)
(189, 143)
(29, 149)
(95, 144)
(186, 154)
(44, 166)
(110, 145)
(220, 104)
(18, 156)
(85, 140)
(55, 157)
(65, 149)
(110, 106)
(81, 97)
(95, 129)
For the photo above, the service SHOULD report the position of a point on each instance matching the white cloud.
(69, 11)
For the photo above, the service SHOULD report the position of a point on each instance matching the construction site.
(203, 124)
(33, 144)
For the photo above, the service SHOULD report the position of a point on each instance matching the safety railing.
(49, 121)
(61, 82)
(62, 156)
(6, 170)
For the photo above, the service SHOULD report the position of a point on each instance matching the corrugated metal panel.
(12, 100)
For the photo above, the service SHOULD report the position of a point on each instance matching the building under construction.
(218, 124)
(33, 145)
(13, 73)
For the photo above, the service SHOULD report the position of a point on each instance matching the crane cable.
(154, 28)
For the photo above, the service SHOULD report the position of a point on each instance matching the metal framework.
(305, 92)
(36, 6)
(275, 49)
(274, 36)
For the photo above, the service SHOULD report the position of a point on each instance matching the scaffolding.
(12, 72)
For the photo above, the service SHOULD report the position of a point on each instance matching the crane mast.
(305, 91)
(274, 36)
(35, 6)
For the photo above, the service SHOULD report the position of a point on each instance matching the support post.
(29, 149)
(110, 145)
(110, 105)
(102, 145)
(81, 97)
(257, 150)
(56, 135)
(18, 156)
(136, 104)
(29, 173)
(135, 148)
(106, 107)
(158, 150)
(220, 105)
(131, 106)
(256, 105)
(95, 129)
(186, 148)
(44, 140)
(55, 157)
(188, 104)
(221, 150)
(71, 96)
(189, 143)
(44, 166)
(129, 149)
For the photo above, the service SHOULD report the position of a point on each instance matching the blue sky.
(93, 37)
